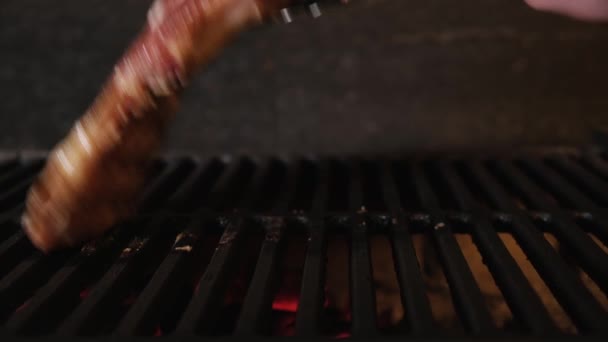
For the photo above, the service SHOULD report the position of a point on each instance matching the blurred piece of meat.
(93, 177)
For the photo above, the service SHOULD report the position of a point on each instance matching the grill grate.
(206, 254)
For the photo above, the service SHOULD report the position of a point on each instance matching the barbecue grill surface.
(206, 253)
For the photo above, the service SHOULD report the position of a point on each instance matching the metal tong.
(311, 7)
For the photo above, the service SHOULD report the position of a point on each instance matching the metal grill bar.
(599, 165)
(39, 293)
(61, 291)
(17, 285)
(162, 288)
(413, 294)
(555, 185)
(313, 276)
(141, 253)
(590, 182)
(14, 184)
(523, 301)
(204, 173)
(199, 313)
(594, 185)
(563, 283)
(466, 294)
(226, 186)
(13, 214)
(25, 170)
(164, 185)
(14, 249)
(255, 314)
(362, 295)
(166, 281)
(15, 194)
(591, 257)
(281, 205)
(254, 318)
(250, 198)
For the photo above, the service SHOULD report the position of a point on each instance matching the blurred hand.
(589, 10)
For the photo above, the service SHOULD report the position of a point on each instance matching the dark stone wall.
(376, 77)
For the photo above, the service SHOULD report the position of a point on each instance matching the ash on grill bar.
(328, 248)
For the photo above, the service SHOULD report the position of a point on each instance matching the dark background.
(375, 77)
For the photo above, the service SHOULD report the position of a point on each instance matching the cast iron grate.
(207, 254)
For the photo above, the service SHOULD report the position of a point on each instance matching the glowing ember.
(84, 293)
(158, 332)
(285, 303)
(343, 335)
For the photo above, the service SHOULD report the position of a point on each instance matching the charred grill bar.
(204, 255)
